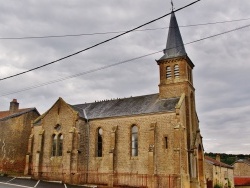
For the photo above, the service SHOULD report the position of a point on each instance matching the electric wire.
(115, 32)
(98, 44)
(115, 64)
(79, 74)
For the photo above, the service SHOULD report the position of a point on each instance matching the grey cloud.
(221, 71)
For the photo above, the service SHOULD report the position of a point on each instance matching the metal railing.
(58, 173)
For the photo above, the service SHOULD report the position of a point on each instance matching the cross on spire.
(172, 5)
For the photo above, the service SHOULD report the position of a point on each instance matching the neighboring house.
(241, 182)
(218, 173)
(15, 126)
(242, 167)
(151, 140)
(242, 173)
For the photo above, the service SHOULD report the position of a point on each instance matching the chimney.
(14, 105)
(217, 157)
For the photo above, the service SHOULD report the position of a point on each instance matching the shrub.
(218, 186)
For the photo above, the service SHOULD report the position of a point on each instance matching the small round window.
(58, 127)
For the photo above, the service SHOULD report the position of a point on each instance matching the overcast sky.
(221, 73)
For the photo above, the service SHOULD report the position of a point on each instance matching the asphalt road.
(13, 182)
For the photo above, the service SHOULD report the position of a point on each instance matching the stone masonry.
(15, 125)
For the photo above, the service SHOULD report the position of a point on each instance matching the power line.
(225, 32)
(105, 41)
(115, 64)
(79, 74)
(212, 23)
(115, 32)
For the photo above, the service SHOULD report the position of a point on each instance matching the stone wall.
(14, 136)
(219, 175)
(59, 120)
(161, 147)
(161, 125)
(241, 169)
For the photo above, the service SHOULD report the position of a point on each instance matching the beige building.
(14, 135)
(242, 167)
(218, 173)
(152, 140)
(242, 173)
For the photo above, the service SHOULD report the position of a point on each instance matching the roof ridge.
(138, 105)
(114, 99)
(18, 109)
(219, 162)
(18, 113)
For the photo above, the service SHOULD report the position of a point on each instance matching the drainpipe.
(87, 148)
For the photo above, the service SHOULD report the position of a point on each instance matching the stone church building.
(146, 141)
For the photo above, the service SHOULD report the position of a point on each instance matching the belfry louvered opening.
(168, 72)
(176, 71)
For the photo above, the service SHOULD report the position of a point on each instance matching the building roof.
(217, 163)
(246, 161)
(241, 180)
(124, 107)
(174, 46)
(4, 115)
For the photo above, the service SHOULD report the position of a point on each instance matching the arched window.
(134, 140)
(54, 143)
(57, 145)
(168, 72)
(60, 144)
(176, 71)
(99, 142)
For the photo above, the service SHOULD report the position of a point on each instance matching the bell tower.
(175, 66)
(175, 79)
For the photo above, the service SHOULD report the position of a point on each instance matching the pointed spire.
(175, 46)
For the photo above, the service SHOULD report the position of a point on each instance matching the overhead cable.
(115, 32)
(115, 64)
(105, 41)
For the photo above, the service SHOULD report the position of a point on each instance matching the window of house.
(57, 145)
(99, 142)
(168, 72)
(134, 140)
(176, 71)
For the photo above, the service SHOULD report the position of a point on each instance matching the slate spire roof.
(174, 46)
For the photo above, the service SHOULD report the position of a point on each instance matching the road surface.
(14, 182)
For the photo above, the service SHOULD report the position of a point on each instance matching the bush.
(218, 186)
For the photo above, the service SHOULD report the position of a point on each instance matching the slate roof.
(246, 161)
(217, 163)
(126, 107)
(241, 181)
(4, 115)
(174, 46)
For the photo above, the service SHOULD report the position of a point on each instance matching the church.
(145, 141)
